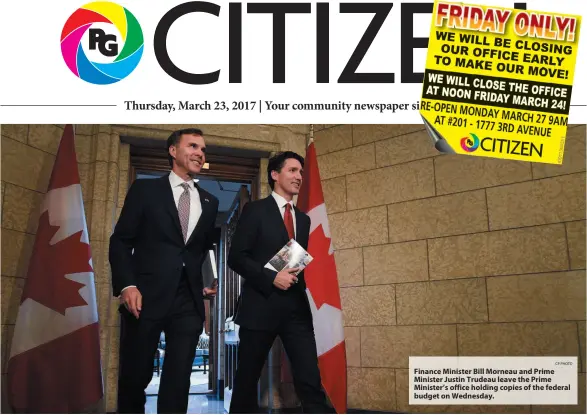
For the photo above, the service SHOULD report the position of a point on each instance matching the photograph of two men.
(277, 268)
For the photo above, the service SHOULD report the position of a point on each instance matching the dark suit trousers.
(139, 339)
(299, 342)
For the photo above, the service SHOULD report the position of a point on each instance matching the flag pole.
(311, 135)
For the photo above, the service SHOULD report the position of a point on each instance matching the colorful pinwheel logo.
(470, 144)
(102, 42)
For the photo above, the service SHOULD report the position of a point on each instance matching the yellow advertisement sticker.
(498, 81)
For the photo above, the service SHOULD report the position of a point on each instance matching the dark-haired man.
(156, 255)
(274, 303)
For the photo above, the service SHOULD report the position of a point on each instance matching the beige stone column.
(103, 175)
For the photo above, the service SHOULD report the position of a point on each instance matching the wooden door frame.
(223, 167)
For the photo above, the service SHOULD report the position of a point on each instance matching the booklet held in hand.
(292, 255)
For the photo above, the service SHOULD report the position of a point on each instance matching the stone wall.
(451, 255)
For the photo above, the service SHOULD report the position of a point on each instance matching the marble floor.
(198, 383)
(197, 404)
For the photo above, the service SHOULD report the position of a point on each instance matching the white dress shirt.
(281, 202)
(195, 205)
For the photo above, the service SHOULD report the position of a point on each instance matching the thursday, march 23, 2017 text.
(261, 106)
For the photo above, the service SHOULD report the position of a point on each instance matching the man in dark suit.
(157, 249)
(274, 303)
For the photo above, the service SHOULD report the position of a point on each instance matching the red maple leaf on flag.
(320, 274)
(50, 264)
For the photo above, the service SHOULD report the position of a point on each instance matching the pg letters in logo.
(106, 42)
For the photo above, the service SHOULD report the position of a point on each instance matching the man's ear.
(274, 175)
(172, 151)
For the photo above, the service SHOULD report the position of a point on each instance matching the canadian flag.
(54, 364)
(322, 287)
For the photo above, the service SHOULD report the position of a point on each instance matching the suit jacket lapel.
(205, 203)
(169, 202)
(300, 232)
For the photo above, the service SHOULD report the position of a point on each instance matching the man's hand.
(211, 291)
(133, 300)
(285, 278)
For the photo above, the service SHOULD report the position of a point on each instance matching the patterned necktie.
(288, 219)
(183, 208)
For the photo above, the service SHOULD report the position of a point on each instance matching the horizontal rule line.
(58, 105)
